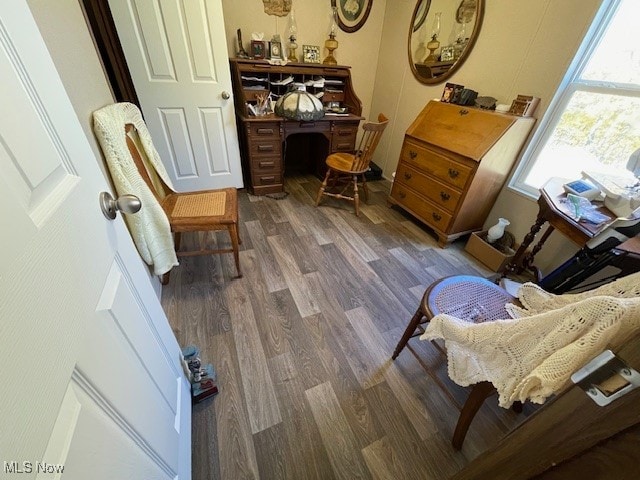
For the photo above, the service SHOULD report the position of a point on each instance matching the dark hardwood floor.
(302, 345)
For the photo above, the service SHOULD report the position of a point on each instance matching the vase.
(495, 233)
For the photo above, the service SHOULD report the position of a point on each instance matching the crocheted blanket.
(149, 227)
(532, 355)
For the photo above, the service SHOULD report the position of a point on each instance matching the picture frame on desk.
(275, 50)
(310, 54)
(257, 49)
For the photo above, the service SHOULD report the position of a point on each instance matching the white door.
(90, 369)
(176, 51)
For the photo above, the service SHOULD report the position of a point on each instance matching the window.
(593, 121)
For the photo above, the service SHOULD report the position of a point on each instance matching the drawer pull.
(407, 176)
(265, 131)
(265, 148)
(344, 133)
(344, 146)
(453, 173)
(413, 154)
(266, 164)
(402, 194)
(270, 179)
(437, 217)
(463, 112)
(444, 196)
(307, 124)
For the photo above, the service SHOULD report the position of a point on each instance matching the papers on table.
(284, 81)
(254, 79)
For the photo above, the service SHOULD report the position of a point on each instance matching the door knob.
(226, 95)
(125, 204)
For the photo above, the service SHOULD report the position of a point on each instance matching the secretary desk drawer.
(422, 208)
(435, 164)
(439, 193)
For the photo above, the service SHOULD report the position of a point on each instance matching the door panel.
(91, 373)
(177, 55)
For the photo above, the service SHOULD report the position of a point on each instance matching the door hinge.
(606, 378)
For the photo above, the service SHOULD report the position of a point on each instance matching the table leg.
(517, 264)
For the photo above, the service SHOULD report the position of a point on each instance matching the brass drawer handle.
(266, 164)
(265, 131)
(407, 176)
(444, 196)
(463, 111)
(413, 154)
(402, 195)
(344, 133)
(265, 148)
(436, 217)
(453, 173)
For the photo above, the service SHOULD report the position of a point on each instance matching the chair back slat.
(368, 142)
(159, 189)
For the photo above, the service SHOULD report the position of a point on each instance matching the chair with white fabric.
(523, 348)
(136, 168)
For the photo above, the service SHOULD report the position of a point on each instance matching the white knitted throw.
(149, 227)
(533, 355)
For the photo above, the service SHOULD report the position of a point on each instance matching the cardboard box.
(492, 258)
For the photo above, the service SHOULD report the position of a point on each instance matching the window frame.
(570, 84)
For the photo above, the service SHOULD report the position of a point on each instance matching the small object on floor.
(203, 390)
(190, 351)
(278, 195)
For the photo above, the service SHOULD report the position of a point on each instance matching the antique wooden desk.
(267, 141)
(552, 211)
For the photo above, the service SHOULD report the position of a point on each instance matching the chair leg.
(233, 233)
(323, 187)
(356, 197)
(411, 328)
(164, 279)
(478, 395)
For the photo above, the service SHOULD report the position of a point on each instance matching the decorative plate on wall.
(352, 13)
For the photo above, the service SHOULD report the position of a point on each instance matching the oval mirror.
(441, 37)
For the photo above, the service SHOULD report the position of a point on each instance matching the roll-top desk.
(453, 163)
(261, 137)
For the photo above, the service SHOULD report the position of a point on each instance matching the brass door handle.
(226, 95)
(444, 196)
(453, 173)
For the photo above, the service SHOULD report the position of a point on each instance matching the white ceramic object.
(497, 231)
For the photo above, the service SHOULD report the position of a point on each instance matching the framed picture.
(275, 50)
(310, 54)
(352, 13)
(446, 54)
(257, 48)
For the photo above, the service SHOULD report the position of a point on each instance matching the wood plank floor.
(302, 345)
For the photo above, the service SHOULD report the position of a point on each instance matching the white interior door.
(90, 369)
(176, 51)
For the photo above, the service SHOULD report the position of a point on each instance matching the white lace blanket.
(533, 355)
(149, 227)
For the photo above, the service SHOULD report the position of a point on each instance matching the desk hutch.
(262, 137)
(453, 163)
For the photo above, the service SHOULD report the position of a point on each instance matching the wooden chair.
(470, 298)
(350, 166)
(201, 211)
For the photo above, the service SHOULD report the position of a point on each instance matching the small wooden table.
(551, 210)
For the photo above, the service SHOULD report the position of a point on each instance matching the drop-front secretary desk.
(453, 163)
(263, 138)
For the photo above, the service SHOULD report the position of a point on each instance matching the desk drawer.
(441, 194)
(436, 164)
(305, 127)
(266, 179)
(264, 130)
(262, 165)
(422, 208)
(343, 138)
(259, 147)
